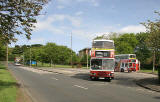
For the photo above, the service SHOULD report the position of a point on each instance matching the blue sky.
(88, 18)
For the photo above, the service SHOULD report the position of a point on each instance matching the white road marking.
(81, 87)
(54, 78)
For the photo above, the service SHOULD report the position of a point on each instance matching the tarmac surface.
(147, 80)
(74, 85)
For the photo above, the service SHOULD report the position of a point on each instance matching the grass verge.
(56, 66)
(8, 86)
(148, 71)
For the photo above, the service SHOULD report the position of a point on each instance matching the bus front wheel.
(108, 79)
(94, 78)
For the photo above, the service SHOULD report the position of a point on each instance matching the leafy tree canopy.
(18, 17)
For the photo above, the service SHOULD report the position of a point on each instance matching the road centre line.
(54, 78)
(81, 87)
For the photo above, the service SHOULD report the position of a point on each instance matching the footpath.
(148, 81)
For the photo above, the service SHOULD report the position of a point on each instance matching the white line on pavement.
(54, 78)
(81, 87)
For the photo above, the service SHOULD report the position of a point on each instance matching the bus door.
(124, 66)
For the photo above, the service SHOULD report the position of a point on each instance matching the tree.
(142, 50)
(17, 50)
(36, 45)
(64, 55)
(153, 40)
(125, 43)
(18, 17)
(51, 51)
(2, 52)
(84, 59)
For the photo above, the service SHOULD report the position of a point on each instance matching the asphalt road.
(53, 87)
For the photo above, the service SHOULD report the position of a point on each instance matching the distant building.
(84, 52)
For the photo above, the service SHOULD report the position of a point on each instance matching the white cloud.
(133, 29)
(67, 2)
(64, 1)
(60, 7)
(74, 20)
(48, 23)
(108, 29)
(95, 3)
(37, 40)
(78, 13)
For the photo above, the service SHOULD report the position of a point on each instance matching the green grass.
(55, 66)
(148, 71)
(8, 86)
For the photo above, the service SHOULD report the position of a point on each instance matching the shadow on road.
(125, 81)
(119, 80)
(83, 76)
(150, 81)
(157, 97)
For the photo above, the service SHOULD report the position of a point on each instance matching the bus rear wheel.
(122, 70)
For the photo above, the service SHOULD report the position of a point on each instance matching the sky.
(86, 19)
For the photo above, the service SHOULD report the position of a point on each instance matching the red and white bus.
(102, 60)
(126, 62)
(18, 61)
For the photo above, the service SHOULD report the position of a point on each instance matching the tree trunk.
(42, 64)
(50, 63)
(7, 56)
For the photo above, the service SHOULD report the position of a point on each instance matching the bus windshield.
(102, 64)
(132, 56)
(96, 64)
(108, 64)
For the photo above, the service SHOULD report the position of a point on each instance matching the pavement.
(149, 83)
(148, 80)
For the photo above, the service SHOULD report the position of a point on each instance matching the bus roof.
(124, 54)
(104, 40)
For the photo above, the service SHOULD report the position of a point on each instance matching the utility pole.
(71, 50)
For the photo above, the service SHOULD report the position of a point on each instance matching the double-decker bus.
(102, 60)
(18, 61)
(126, 62)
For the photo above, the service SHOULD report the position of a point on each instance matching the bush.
(79, 65)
